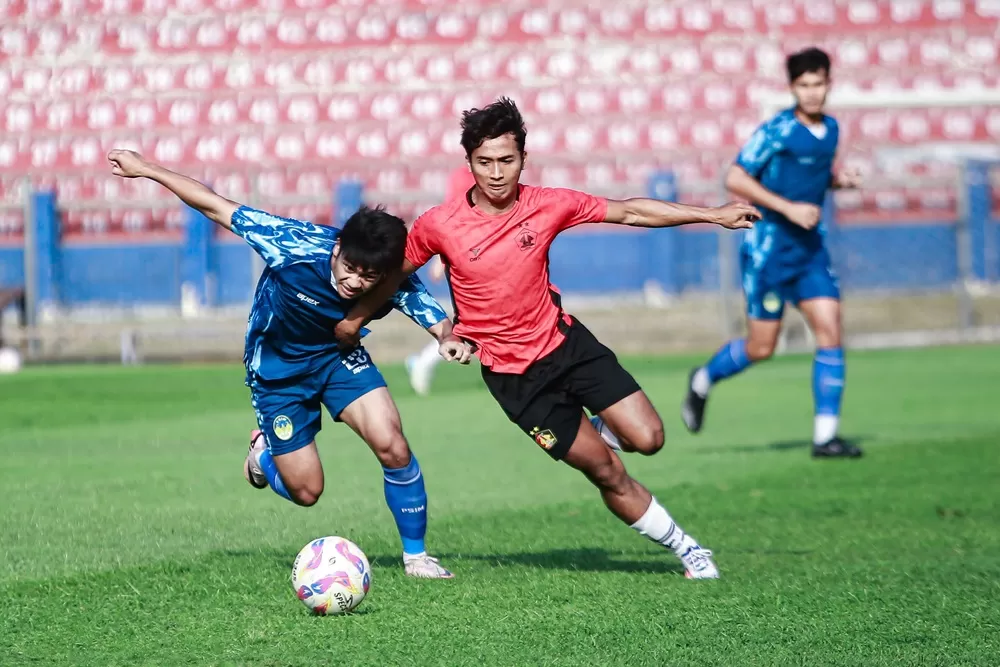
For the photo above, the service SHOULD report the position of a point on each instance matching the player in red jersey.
(540, 364)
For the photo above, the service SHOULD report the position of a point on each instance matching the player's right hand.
(127, 164)
(737, 215)
(347, 334)
(453, 348)
(804, 215)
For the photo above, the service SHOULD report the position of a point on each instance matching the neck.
(809, 119)
(488, 207)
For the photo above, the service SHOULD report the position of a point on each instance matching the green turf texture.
(129, 537)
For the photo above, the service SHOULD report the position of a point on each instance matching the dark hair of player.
(373, 240)
(492, 121)
(807, 61)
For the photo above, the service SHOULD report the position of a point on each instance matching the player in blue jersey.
(786, 169)
(313, 277)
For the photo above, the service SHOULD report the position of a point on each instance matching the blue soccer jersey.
(296, 306)
(782, 261)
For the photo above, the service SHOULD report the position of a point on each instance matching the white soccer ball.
(10, 361)
(331, 575)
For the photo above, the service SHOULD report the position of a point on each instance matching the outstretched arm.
(641, 212)
(215, 207)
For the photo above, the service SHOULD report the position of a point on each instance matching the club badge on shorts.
(282, 427)
(546, 439)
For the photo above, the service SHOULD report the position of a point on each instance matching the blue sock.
(407, 499)
(273, 477)
(729, 360)
(828, 380)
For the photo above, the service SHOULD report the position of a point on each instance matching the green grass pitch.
(129, 537)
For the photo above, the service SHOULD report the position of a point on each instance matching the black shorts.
(548, 399)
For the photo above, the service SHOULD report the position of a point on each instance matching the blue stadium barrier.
(584, 261)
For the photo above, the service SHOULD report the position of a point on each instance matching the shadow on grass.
(578, 560)
(780, 446)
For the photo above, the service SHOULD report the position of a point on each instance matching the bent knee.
(760, 350)
(647, 440)
(392, 451)
(308, 495)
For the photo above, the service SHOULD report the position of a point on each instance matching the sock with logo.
(407, 500)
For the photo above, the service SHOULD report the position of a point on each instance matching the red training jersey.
(499, 269)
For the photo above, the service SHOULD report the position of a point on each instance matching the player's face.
(810, 91)
(352, 281)
(496, 166)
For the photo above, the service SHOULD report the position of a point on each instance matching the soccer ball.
(331, 575)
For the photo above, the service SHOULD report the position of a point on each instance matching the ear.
(336, 249)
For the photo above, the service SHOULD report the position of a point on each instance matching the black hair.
(492, 121)
(811, 60)
(373, 240)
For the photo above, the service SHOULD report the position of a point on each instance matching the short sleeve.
(279, 241)
(762, 145)
(576, 208)
(421, 243)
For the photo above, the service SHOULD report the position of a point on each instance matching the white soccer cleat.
(698, 563)
(251, 467)
(425, 567)
(420, 374)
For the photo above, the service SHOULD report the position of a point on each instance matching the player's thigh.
(817, 292)
(289, 416)
(356, 394)
(375, 418)
(762, 338)
(636, 423)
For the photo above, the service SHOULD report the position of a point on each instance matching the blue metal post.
(664, 253)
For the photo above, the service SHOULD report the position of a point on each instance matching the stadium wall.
(868, 257)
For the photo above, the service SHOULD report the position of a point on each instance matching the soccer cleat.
(836, 448)
(251, 468)
(698, 563)
(606, 433)
(420, 375)
(425, 567)
(693, 408)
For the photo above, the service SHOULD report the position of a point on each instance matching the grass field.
(128, 536)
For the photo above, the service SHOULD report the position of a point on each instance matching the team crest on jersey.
(283, 427)
(772, 302)
(526, 239)
(546, 439)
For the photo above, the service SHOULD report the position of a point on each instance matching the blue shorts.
(288, 411)
(768, 290)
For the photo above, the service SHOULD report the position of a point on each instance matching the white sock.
(701, 383)
(606, 434)
(825, 428)
(659, 527)
(429, 355)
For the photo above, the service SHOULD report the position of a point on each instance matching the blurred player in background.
(314, 275)
(542, 365)
(786, 168)
(420, 367)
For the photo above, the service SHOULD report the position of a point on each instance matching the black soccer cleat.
(693, 407)
(836, 448)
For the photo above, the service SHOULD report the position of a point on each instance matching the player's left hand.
(849, 178)
(453, 348)
(737, 215)
(347, 334)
